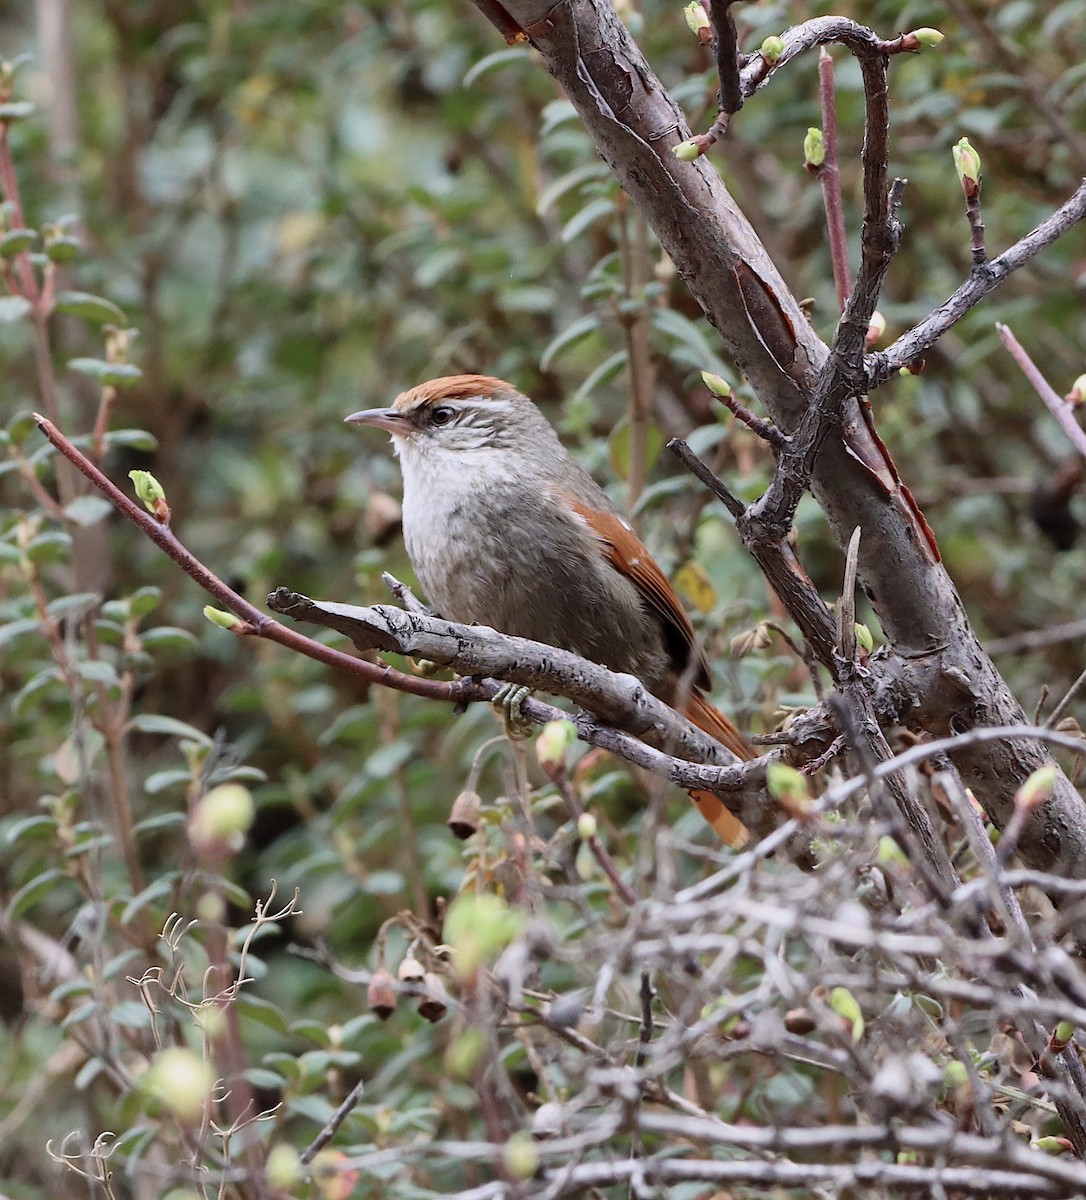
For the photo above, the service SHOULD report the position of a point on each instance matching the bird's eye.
(442, 415)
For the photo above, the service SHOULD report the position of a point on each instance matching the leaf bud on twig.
(876, 327)
(1076, 397)
(717, 384)
(697, 20)
(1036, 790)
(687, 151)
(222, 818)
(553, 743)
(789, 788)
(927, 36)
(772, 48)
(814, 149)
(967, 164)
(224, 620)
(150, 491)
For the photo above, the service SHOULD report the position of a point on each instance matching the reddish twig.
(566, 790)
(256, 622)
(9, 184)
(1055, 403)
(976, 225)
(829, 176)
(766, 430)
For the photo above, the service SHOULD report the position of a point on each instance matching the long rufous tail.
(712, 721)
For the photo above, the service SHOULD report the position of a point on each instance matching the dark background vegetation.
(305, 208)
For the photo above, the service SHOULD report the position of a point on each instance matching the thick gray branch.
(477, 650)
(953, 685)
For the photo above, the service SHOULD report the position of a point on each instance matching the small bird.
(504, 529)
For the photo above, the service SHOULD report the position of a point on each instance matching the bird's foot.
(508, 703)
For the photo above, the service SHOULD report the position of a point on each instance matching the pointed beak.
(390, 419)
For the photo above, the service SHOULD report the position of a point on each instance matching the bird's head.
(457, 414)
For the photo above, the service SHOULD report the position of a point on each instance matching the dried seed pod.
(434, 1001)
(799, 1020)
(464, 817)
(411, 972)
(381, 994)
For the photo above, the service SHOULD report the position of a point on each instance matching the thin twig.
(1056, 404)
(334, 1122)
(912, 345)
(829, 176)
(261, 625)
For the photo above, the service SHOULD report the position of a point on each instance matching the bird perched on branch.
(504, 529)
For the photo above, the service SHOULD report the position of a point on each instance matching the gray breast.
(545, 577)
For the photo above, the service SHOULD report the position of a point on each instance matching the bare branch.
(1056, 404)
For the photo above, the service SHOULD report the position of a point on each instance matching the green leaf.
(160, 887)
(87, 510)
(143, 600)
(30, 893)
(167, 637)
(98, 671)
(14, 629)
(570, 336)
(88, 1073)
(80, 602)
(106, 373)
(17, 241)
(39, 827)
(49, 547)
(62, 249)
(592, 212)
(256, 1008)
(166, 820)
(553, 192)
(500, 58)
(132, 439)
(131, 1014)
(388, 759)
(95, 309)
(170, 726)
(13, 308)
(33, 687)
(161, 780)
(618, 447)
(604, 373)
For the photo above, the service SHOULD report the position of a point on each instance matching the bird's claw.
(508, 703)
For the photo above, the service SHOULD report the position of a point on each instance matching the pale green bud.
(180, 1082)
(928, 37)
(717, 384)
(966, 161)
(149, 490)
(697, 18)
(814, 148)
(687, 151)
(772, 48)
(1037, 788)
(224, 620)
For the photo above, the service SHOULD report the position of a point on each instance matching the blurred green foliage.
(303, 209)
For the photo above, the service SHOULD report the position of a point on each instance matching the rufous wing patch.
(629, 555)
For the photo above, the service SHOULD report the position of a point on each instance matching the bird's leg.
(508, 703)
